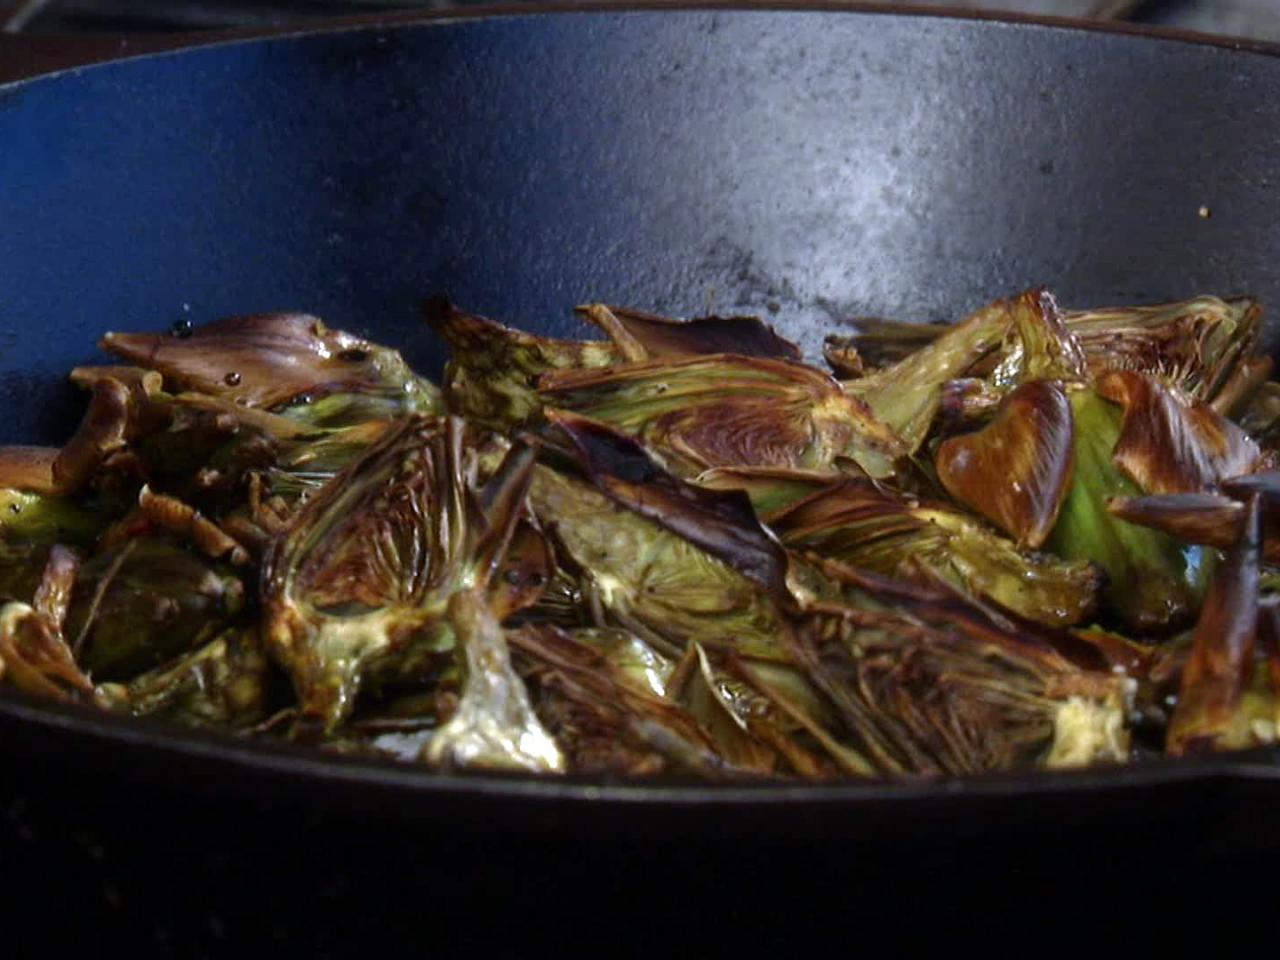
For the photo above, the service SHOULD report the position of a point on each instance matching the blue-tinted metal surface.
(806, 166)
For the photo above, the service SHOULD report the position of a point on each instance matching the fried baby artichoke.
(1037, 537)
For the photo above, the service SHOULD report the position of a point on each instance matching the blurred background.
(1256, 19)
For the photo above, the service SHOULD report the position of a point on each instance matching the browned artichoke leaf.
(305, 463)
(34, 657)
(1203, 518)
(761, 717)
(1017, 469)
(274, 359)
(937, 699)
(29, 470)
(528, 565)
(724, 410)
(1221, 662)
(869, 527)
(224, 683)
(1237, 394)
(1261, 419)
(1170, 444)
(843, 358)
(966, 402)
(634, 663)
(905, 396)
(882, 343)
(1192, 345)
(602, 718)
(640, 336)
(492, 373)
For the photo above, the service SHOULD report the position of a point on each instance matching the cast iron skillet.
(806, 166)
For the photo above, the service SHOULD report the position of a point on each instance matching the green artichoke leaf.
(225, 683)
(492, 373)
(638, 574)
(495, 725)
(140, 604)
(724, 410)
(867, 526)
(668, 560)
(1038, 345)
(906, 395)
(771, 489)
(1154, 583)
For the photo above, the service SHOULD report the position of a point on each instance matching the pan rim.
(83, 54)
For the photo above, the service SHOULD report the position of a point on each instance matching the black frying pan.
(805, 166)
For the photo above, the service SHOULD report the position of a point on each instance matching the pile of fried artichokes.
(1035, 537)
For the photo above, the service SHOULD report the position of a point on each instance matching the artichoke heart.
(358, 585)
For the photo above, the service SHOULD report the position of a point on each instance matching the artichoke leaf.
(906, 395)
(932, 699)
(29, 470)
(722, 523)
(843, 358)
(882, 343)
(1169, 443)
(1192, 345)
(606, 719)
(1154, 583)
(1038, 345)
(1210, 519)
(1017, 469)
(1220, 666)
(770, 489)
(495, 725)
(224, 683)
(34, 657)
(636, 573)
(869, 527)
(143, 602)
(357, 587)
(493, 370)
(274, 360)
(724, 410)
(640, 336)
